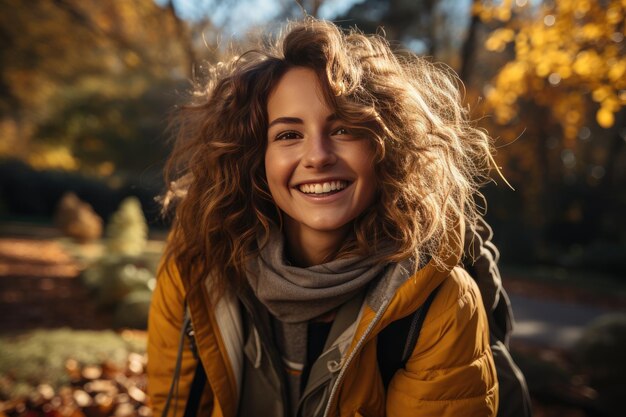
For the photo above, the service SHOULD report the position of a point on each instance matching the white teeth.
(321, 188)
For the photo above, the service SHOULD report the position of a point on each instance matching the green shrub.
(114, 277)
(127, 230)
(132, 311)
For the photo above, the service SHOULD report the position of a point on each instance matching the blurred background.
(86, 87)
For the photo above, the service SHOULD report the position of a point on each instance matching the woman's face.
(319, 175)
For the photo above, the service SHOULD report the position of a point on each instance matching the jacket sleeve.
(164, 333)
(451, 371)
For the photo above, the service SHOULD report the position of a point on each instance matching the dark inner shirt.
(317, 333)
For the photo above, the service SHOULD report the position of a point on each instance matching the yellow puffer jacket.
(450, 373)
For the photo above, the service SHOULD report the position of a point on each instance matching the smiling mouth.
(323, 188)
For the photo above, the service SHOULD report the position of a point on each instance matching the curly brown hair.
(430, 159)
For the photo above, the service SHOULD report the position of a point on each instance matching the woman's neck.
(306, 247)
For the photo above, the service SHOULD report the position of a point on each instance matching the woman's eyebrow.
(297, 120)
(286, 120)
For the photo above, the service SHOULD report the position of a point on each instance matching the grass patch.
(41, 356)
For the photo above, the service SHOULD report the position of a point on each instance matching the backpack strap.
(186, 330)
(195, 393)
(199, 376)
(397, 341)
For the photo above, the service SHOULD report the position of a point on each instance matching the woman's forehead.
(298, 91)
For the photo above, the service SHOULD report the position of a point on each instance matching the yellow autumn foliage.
(568, 54)
(600, 93)
(52, 157)
(617, 71)
(498, 40)
(605, 117)
(591, 31)
(488, 11)
(587, 63)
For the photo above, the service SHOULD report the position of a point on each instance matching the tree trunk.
(433, 27)
(469, 47)
(315, 7)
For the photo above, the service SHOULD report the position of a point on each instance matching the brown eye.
(287, 135)
(341, 131)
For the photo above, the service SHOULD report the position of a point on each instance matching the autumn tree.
(557, 103)
(72, 70)
(564, 51)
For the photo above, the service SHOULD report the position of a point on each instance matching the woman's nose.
(319, 152)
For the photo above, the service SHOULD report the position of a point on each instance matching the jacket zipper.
(357, 348)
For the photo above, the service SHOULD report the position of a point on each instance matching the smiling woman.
(323, 186)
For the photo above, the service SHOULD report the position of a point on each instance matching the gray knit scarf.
(293, 294)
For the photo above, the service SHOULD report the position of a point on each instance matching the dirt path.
(40, 288)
